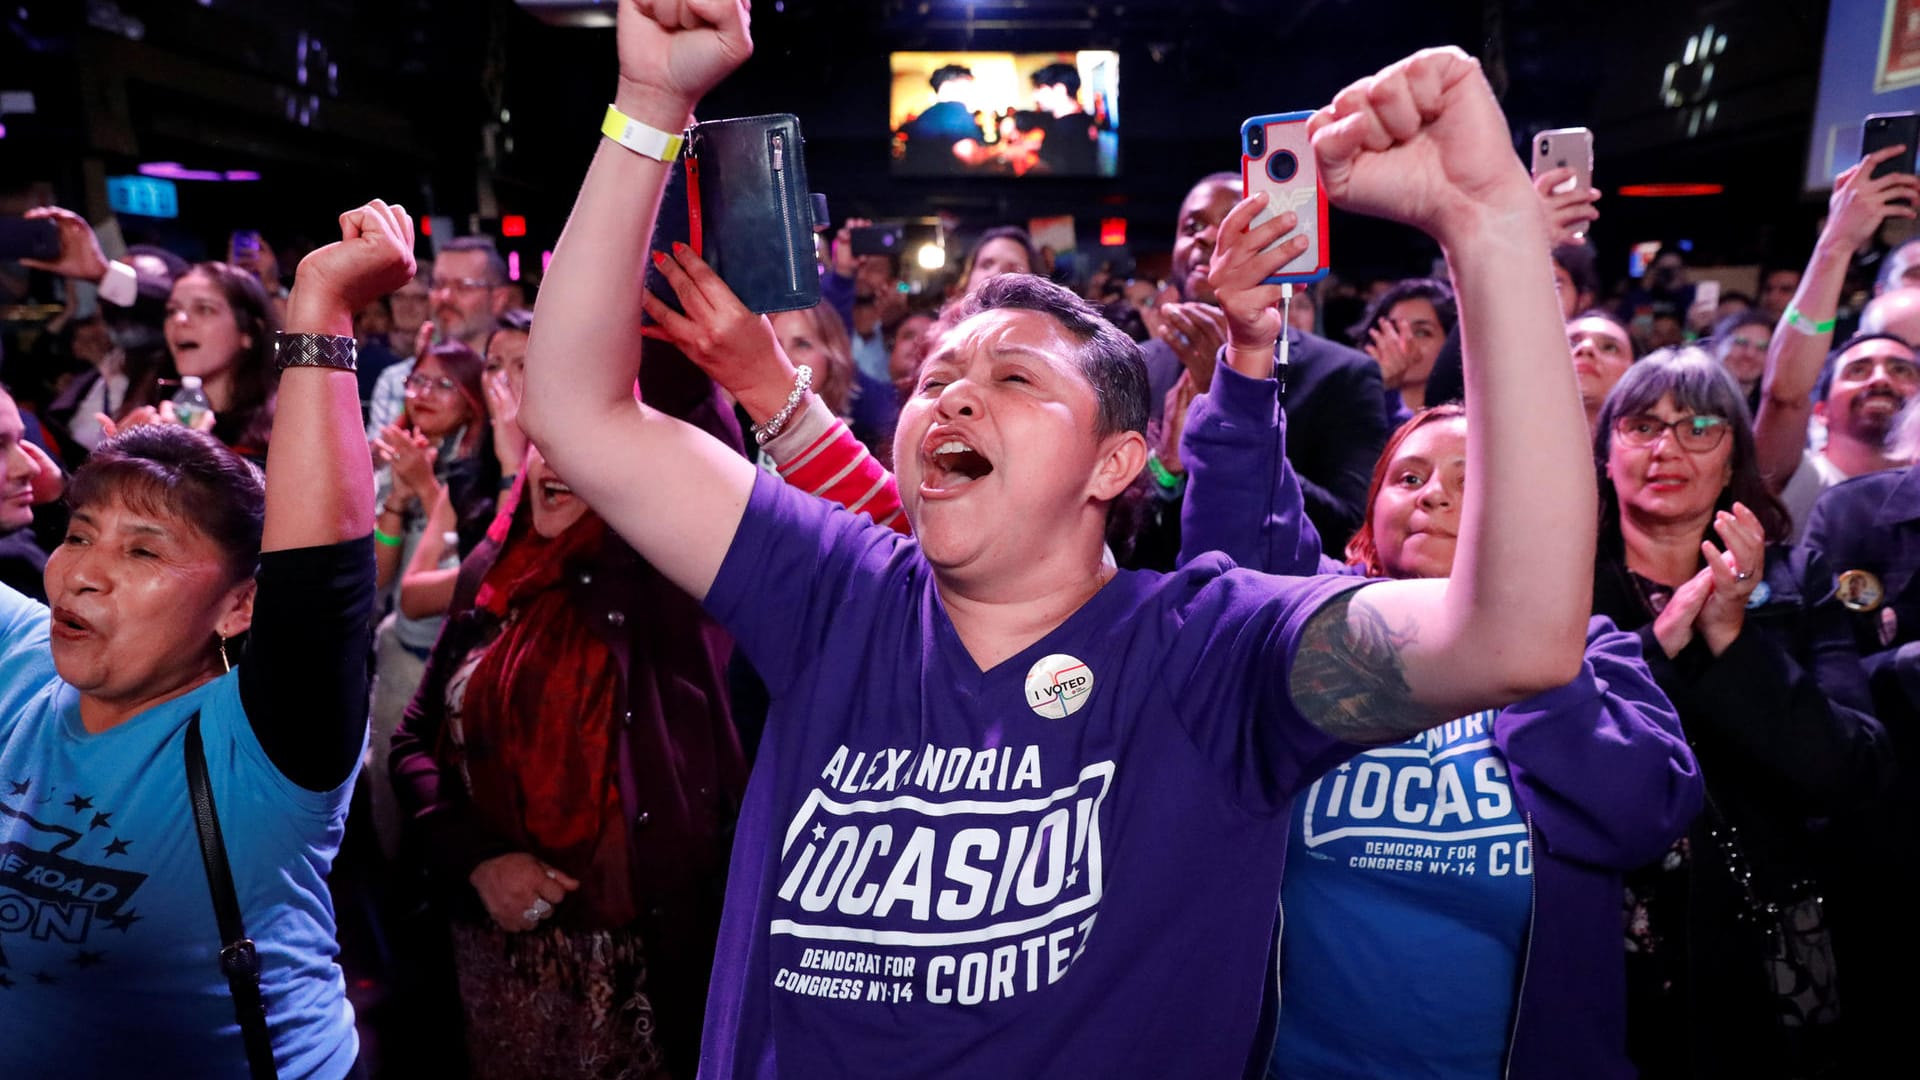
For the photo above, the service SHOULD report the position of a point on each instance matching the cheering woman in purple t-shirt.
(1017, 812)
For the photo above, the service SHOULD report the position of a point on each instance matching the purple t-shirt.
(1065, 866)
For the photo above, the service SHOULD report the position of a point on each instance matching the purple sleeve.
(1601, 762)
(798, 567)
(1227, 668)
(838, 291)
(1243, 498)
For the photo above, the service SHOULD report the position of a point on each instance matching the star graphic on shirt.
(99, 821)
(44, 978)
(20, 787)
(819, 832)
(84, 959)
(1073, 876)
(118, 847)
(80, 803)
(1345, 766)
(123, 921)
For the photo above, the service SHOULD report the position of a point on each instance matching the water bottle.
(190, 402)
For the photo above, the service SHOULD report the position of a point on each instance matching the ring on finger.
(1743, 575)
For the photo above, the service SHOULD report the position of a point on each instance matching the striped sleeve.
(819, 455)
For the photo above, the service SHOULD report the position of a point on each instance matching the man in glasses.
(466, 292)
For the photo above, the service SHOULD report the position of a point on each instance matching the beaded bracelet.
(802, 382)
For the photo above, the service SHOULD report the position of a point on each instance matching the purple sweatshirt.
(1600, 765)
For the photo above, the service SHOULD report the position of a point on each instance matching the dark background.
(478, 108)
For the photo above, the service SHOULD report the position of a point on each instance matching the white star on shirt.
(819, 832)
(1073, 876)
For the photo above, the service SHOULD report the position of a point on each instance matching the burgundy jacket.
(681, 773)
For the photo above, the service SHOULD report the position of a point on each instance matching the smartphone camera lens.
(1282, 166)
(1256, 142)
(1545, 146)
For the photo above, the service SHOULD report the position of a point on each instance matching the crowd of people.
(1131, 681)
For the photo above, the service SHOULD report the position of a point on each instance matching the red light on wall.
(513, 225)
(1113, 232)
(1669, 191)
(426, 226)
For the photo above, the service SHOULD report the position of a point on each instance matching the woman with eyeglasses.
(1750, 645)
(443, 425)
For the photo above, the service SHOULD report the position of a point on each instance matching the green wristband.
(387, 539)
(1808, 326)
(1168, 482)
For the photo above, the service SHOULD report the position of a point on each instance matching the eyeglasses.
(1748, 343)
(1698, 434)
(428, 384)
(465, 284)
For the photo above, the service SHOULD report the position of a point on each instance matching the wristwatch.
(314, 350)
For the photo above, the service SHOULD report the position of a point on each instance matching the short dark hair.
(496, 266)
(1832, 366)
(1061, 74)
(1701, 385)
(1580, 263)
(1432, 290)
(947, 73)
(189, 476)
(1633, 347)
(1725, 327)
(1110, 360)
(519, 318)
(1001, 232)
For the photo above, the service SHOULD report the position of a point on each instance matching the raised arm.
(1799, 350)
(584, 352)
(319, 474)
(1424, 143)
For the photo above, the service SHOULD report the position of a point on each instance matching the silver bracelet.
(802, 382)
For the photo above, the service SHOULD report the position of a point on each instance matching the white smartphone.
(1568, 148)
(1277, 158)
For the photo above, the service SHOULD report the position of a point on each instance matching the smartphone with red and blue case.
(1277, 158)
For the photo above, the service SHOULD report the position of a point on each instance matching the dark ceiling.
(413, 105)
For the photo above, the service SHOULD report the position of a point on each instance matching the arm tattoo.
(1348, 679)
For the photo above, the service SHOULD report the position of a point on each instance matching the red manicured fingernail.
(659, 258)
(679, 247)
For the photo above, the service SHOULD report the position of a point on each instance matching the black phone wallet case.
(749, 212)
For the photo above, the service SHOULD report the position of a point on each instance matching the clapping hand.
(411, 457)
(1737, 571)
(1195, 332)
(1391, 349)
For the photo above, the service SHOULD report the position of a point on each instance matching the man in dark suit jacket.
(1336, 425)
(1868, 530)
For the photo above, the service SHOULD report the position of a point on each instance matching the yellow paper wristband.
(640, 138)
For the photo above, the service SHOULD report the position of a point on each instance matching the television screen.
(1006, 114)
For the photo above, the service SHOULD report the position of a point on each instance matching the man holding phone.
(1798, 354)
(1336, 417)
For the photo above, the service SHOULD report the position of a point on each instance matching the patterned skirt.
(555, 1002)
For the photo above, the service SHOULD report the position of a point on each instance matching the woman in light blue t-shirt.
(190, 595)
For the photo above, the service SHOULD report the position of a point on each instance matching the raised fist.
(677, 50)
(1423, 143)
(373, 257)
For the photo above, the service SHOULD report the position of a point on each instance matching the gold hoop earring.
(225, 664)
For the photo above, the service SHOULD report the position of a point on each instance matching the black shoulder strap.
(239, 961)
